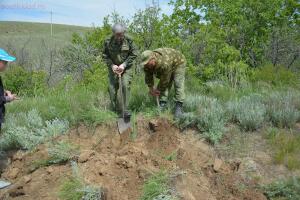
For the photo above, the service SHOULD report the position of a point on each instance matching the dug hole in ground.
(121, 165)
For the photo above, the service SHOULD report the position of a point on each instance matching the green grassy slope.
(35, 38)
(27, 29)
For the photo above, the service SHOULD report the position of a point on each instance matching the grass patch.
(76, 104)
(155, 186)
(283, 190)
(286, 146)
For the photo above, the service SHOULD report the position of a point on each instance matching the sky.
(73, 12)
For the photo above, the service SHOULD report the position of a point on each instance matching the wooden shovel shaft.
(121, 93)
(157, 101)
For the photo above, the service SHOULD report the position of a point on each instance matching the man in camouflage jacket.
(119, 53)
(168, 65)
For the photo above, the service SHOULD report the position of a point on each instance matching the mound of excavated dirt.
(121, 165)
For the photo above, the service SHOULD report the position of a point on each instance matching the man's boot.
(162, 105)
(178, 110)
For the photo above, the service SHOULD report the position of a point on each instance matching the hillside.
(18, 29)
(33, 40)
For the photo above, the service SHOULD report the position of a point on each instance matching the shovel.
(122, 125)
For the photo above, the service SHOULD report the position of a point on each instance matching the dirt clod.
(27, 179)
(218, 164)
(85, 156)
(13, 173)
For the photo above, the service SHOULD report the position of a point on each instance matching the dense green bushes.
(24, 82)
(278, 76)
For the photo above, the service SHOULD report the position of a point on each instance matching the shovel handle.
(121, 93)
(157, 101)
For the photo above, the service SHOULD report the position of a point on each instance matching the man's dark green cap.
(146, 57)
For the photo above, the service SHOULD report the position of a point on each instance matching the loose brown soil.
(121, 164)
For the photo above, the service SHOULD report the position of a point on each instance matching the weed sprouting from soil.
(74, 188)
(172, 156)
(155, 186)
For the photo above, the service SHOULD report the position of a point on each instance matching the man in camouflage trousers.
(168, 65)
(119, 53)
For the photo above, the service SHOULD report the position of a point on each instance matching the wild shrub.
(58, 153)
(95, 78)
(188, 119)
(208, 115)
(281, 109)
(284, 189)
(192, 102)
(228, 65)
(211, 120)
(62, 152)
(27, 130)
(249, 112)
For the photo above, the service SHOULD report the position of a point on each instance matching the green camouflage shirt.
(168, 60)
(115, 53)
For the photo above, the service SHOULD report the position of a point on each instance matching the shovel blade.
(123, 126)
(4, 184)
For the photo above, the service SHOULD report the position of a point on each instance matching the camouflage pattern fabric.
(115, 53)
(170, 68)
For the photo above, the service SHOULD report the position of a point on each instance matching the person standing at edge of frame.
(5, 95)
(119, 53)
(168, 65)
